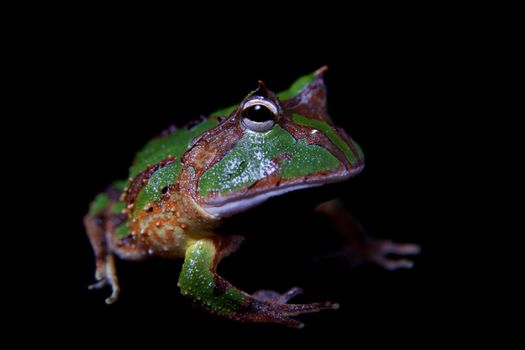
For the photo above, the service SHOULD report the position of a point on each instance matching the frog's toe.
(114, 295)
(275, 297)
(390, 247)
(115, 289)
(298, 309)
(281, 313)
(98, 285)
(113, 282)
(271, 306)
(383, 248)
(107, 276)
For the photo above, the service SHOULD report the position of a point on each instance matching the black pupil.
(258, 113)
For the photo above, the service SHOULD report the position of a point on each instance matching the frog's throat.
(225, 207)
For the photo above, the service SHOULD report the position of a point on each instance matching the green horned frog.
(185, 181)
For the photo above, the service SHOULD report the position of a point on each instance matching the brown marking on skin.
(128, 245)
(137, 183)
(170, 235)
(282, 157)
(154, 234)
(157, 229)
(300, 132)
(210, 136)
(348, 140)
(310, 102)
(274, 179)
(265, 183)
(206, 152)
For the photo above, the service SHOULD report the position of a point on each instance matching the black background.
(388, 86)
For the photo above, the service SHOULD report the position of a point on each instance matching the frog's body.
(185, 181)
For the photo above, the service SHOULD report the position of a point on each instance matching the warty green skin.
(254, 156)
(299, 150)
(197, 281)
(239, 169)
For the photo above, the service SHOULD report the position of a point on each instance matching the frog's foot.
(360, 247)
(380, 251)
(107, 276)
(271, 306)
(200, 282)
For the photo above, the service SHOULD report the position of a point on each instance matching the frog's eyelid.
(258, 101)
(257, 126)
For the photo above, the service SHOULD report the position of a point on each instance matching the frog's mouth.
(228, 205)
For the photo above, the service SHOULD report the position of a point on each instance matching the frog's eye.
(259, 115)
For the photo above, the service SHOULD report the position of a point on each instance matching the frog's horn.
(307, 96)
(261, 90)
(321, 71)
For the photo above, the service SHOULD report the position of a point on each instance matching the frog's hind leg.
(359, 247)
(200, 282)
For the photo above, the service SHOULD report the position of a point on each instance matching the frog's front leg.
(359, 247)
(200, 281)
(105, 272)
(101, 230)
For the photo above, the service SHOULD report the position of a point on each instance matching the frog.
(186, 181)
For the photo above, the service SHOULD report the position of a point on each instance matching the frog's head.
(269, 145)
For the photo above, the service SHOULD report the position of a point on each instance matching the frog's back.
(172, 143)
